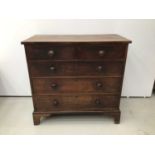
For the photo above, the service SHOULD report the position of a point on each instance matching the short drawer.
(82, 52)
(50, 52)
(76, 85)
(102, 52)
(75, 103)
(100, 68)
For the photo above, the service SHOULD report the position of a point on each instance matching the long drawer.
(75, 103)
(76, 85)
(52, 68)
(68, 52)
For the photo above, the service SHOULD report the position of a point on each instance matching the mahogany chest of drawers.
(76, 74)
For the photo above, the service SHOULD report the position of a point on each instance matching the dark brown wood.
(76, 52)
(97, 68)
(154, 87)
(76, 74)
(36, 118)
(116, 117)
(76, 85)
(49, 103)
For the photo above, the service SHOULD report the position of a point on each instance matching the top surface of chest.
(106, 38)
(84, 47)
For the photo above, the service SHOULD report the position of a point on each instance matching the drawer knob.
(101, 52)
(54, 85)
(52, 68)
(99, 84)
(55, 102)
(51, 53)
(100, 68)
(97, 102)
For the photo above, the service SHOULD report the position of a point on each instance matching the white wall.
(139, 74)
(140, 68)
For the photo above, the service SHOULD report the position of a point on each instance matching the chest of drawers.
(72, 74)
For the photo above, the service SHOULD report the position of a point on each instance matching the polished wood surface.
(96, 68)
(69, 85)
(76, 38)
(73, 51)
(72, 74)
(75, 103)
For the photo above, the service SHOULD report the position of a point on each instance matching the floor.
(138, 117)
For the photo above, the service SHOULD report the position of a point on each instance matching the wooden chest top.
(112, 38)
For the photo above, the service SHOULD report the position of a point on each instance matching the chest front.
(76, 76)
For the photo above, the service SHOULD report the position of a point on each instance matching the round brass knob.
(52, 68)
(54, 85)
(101, 52)
(97, 102)
(100, 68)
(51, 53)
(99, 84)
(55, 102)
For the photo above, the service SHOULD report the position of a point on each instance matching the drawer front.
(84, 52)
(102, 52)
(76, 85)
(50, 52)
(50, 68)
(75, 103)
